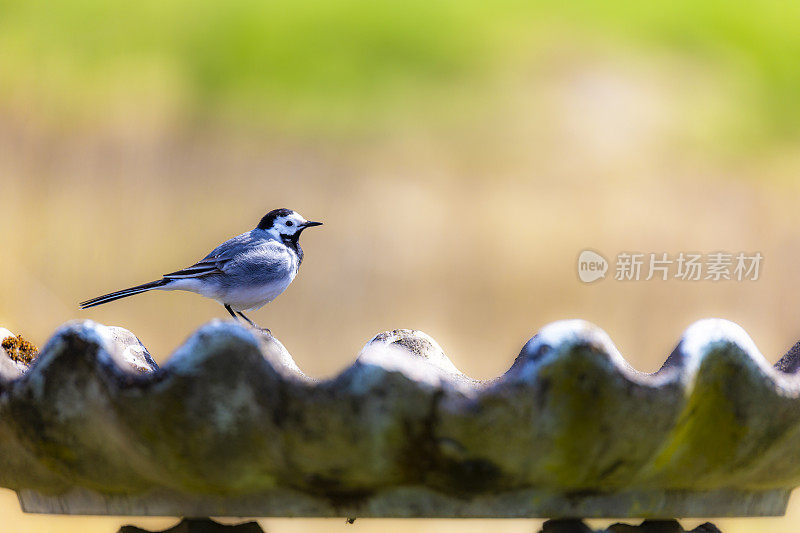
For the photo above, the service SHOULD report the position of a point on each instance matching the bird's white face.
(285, 224)
(290, 224)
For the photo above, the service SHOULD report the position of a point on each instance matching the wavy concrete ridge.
(230, 423)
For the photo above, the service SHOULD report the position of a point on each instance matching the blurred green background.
(461, 155)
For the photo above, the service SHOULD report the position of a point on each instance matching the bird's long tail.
(110, 297)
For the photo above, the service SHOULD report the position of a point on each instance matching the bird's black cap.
(269, 218)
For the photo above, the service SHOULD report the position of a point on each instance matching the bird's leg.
(247, 320)
(255, 326)
(265, 330)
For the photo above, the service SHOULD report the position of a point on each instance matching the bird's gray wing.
(199, 269)
(261, 264)
(214, 262)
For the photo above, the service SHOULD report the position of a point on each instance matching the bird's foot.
(265, 331)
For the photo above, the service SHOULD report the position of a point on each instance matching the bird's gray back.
(249, 259)
(237, 244)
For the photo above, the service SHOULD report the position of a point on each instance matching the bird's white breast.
(280, 269)
(255, 297)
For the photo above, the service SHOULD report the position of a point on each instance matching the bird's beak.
(309, 224)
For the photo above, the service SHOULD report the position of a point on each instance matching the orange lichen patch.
(20, 349)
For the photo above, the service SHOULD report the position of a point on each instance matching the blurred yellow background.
(461, 155)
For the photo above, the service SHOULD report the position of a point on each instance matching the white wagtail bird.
(244, 273)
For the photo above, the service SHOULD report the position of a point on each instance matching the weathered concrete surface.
(231, 427)
(415, 502)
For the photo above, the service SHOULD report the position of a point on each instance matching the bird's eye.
(290, 223)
